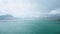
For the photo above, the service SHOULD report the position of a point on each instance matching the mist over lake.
(29, 16)
(29, 27)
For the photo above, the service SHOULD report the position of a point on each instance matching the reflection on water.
(29, 27)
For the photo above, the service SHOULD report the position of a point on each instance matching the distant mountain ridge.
(6, 17)
(52, 17)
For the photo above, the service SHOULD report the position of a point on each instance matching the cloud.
(18, 8)
(28, 7)
(53, 12)
(56, 11)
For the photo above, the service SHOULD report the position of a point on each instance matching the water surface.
(29, 27)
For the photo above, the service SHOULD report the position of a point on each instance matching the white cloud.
(53, 12)
(19, 8)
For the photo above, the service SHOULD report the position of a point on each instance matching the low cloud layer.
(31, 8)
(54, 14)
(18, 8)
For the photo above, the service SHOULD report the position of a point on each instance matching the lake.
(29, 27)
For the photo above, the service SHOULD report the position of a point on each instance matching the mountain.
(6, 17)
(53, 17)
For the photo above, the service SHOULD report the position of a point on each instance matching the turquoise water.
(29, 27)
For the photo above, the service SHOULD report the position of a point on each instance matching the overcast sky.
(23, 8)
